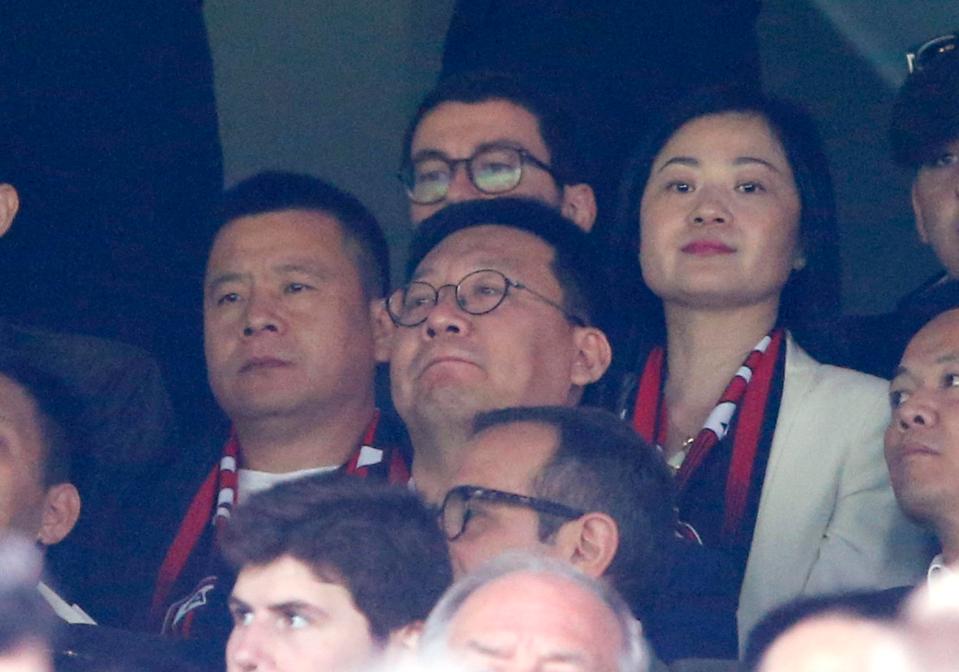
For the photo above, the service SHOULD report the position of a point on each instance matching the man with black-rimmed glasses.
(486, 135)
(500, 309)
(578, 485)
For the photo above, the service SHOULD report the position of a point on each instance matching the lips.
(430, 360)
(706, 248)
(263, 363)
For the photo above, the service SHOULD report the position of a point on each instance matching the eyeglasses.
(478, 293)
(456, 512)
(493, 169)
(926, 54)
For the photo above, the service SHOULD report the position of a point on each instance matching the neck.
(947, 531)
(437, 456)
(704, 350)
(280, 444)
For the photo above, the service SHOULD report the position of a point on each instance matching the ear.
(590, 542)
(593, 355)
(579, 205)
(61, 508)
(383, 329)
(917, 214)
(9, 205)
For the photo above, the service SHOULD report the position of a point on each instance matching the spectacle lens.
(478, 293)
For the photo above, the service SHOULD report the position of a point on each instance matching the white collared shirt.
(68, 613)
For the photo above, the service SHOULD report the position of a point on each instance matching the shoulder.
(826, 383)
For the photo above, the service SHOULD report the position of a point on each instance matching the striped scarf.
(747, 393)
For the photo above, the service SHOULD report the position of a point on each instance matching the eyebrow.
(430, 153)
(946, 358)
(693, 162)
(505, 266)
(290, 267)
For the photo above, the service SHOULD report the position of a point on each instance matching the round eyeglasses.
(457, 509)
(478, 293)
(493, 169)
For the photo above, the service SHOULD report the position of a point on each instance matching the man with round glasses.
(499, 310)
(485, 135)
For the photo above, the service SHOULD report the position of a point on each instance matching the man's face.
(457, 130)
(287, 326)
(523, 353)
(507, 458)
(922, 440)
(286, 619)
(935, 203)
(526, 622)
(22, 452)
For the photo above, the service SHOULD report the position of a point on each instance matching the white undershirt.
(250, 482)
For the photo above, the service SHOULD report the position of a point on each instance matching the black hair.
(272, 191)
(58, 414)
(925, 115)
(576, 263)
(601, 464)
(557, 124)
(811, 293)
(379, 541)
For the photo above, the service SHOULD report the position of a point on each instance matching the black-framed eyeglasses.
(456, 512)
(478, 293)
(493, 169)
(932, 51)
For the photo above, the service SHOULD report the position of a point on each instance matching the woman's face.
(720, 215)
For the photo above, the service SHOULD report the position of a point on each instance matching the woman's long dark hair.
(811, 295)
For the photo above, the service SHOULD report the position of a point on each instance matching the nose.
(710, 208)
(245, 651)
(262, 314)
(916, 411)
(447, 317)
(461, 186)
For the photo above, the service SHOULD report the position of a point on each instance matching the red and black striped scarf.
(745, 403)
(213, 504)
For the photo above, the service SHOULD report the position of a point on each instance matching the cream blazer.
(828, 520)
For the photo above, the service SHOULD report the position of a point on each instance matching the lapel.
(784, 546)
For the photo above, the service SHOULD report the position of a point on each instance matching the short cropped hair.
(601, 464)
(811, 292)
(576, 263)
(632, 656)
(58, 413)
(380, 542)
(925, 115)
(557, 124)
(272, 191)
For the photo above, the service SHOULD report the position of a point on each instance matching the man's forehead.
(937, 341)
(524, 446)
(503, 248)
(474, 123)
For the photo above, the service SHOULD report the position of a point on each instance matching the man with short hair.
(330, 571)
(578, 485)
(483, 135)
(293, 325)
(39, 432)
(574, 483)
(499, 310)
(922, 440)
(521, 613)
(925, 140)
